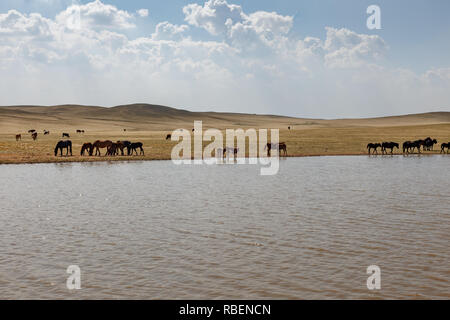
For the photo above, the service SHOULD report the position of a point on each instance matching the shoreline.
(139, 159)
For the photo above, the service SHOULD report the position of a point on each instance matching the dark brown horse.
(34, 135)
(373, 146)
(18, 137)
(388, 145)
(87, 147)
(121, 145)
(64, 145)
(277, 146)
(445, 145)
(46, 132)
(133, 148)
(100, 145)
(112, 149)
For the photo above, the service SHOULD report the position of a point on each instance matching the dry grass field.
(150, 124)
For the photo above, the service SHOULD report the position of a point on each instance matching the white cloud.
(254, 64)
(142, 13)
(168, 31)
(213, 16)
(97, 15)
(346, 48)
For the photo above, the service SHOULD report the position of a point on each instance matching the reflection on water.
(155, 230)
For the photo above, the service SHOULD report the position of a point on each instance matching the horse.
(289, 128)
(31, 131)
(277, 146)
(18, 137)
(445, 145)
(80, 131)
(112, 150)
(100, 145)
(46, 132)
(121, 145)
(133, 148)
(34, 135)
(417, 144)
(409, 146)
(388, 145)
(64, 145)
(65, 135)
(231, 150)
(87, 147)
(429, 143)
(169, 136)
(374, 146)
(406, 146)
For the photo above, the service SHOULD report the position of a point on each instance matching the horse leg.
(142, 150)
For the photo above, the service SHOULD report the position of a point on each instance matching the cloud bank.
(252, 62)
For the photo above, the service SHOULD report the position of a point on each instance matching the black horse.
(65, 135)
(388, 145)
(445, 145)
(373, 146)
(132, 147)
(64, 145)
(168, 137)
(428, 144)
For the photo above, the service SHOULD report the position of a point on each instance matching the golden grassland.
(150, 125)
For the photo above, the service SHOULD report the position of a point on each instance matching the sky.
(315, 59)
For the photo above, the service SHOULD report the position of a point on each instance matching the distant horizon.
(224, 112)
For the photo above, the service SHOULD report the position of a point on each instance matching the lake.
(154, 230)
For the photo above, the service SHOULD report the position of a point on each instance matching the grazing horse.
(65, 135)
(46, 132)
(276, 146)
(18, 137)
(100, 145)
(121, 146)
(169, 136)
(64, 145)
(373, 146)
(112, 149)
(31, 131)
(34, 135)
(445, 145)
(134, 146)
(388, 145)
(87, 147)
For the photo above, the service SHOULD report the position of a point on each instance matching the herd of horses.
(132, 148)
(112, 148)
(426, 144)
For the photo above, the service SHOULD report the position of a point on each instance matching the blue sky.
(300, 58)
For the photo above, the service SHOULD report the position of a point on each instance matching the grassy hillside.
(151, 123)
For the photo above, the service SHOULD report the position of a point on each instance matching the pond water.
(154, 230)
